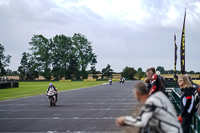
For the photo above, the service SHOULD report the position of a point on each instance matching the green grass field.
(36, 88)
(197, 81)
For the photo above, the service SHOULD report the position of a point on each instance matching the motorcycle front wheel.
(50, 100)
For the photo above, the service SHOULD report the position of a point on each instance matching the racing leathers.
(187, 101)
(53, 88)
(157, 84)
(159, 113)
(187, 108)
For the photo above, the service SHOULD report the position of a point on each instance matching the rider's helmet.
(50, 84)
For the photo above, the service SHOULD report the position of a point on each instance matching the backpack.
(162, 79)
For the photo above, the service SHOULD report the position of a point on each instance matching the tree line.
(60, 56)
(64, 57)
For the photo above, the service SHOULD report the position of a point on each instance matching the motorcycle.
(123, 80)
(52, 98)
(110, 82)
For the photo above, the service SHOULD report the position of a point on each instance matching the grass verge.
(37, 88)
(197, 81)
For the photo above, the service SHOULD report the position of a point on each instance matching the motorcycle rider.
(55, 89)
(110, 81)
(123, 80)
(120, 80)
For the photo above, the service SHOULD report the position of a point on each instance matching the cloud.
(129, 33)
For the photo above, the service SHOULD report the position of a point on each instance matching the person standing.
(153, 70)
(195, 86)
(187, 103)
(196, 92)
(156, 83)
(161, 77)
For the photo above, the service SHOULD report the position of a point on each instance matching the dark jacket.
(156, 84)
(187, 102)
(52, 87)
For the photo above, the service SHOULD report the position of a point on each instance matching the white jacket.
(159, 113)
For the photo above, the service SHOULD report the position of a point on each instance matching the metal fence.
(171, 84)
(174, 95)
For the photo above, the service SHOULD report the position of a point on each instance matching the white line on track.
(56, 118)
(67, 104)
(71, 99)
(10, 110)
(68, 131)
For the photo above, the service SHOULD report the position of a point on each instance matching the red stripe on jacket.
(189, 97)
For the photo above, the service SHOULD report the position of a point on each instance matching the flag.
(183, 48)
(175, 58)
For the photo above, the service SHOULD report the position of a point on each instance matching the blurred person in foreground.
(187, 103)
(147, 81)
(133, 129)
(157, 111)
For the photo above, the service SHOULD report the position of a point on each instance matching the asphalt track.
(91, 109)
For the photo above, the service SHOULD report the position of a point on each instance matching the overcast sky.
(134, 33)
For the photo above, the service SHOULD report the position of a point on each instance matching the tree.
(27, 69)
(15, 72)
(4, 61)
(191, 72)
(83, 52)
(140, 73)
(9, 72)
(73, 68)
(169, 71)
(161, 69)
(107, 72)
(67, 56)
(62, 51)
(128, 72)
(42, 54)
